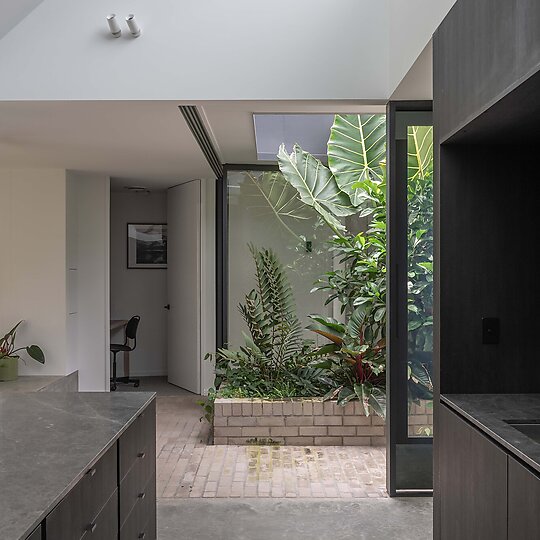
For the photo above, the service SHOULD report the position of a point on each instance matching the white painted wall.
(139, 291)
(411, 24)
(306, 49)
(208, 281)
(87, 217)
(13, 12)
(33, 265)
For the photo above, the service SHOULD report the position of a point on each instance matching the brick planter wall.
(295, 422)
(420, 418)
(305, 422)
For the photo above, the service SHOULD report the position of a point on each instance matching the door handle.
(168, 306)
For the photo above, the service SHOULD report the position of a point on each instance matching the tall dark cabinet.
(487, 224)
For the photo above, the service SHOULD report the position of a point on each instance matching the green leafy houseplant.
(9, 356)
(275, 361)
(354, 184)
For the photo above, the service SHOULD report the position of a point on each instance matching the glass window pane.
(264, 210)
(420, 280)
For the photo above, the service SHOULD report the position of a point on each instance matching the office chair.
(130, 335)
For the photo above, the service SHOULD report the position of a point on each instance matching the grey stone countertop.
(489, 412)
(47, 442)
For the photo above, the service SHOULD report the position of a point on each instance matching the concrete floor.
(266, 519)
(155, 384)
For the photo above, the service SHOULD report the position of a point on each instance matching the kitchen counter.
(42, 383)
(488, 413)
(48, 441)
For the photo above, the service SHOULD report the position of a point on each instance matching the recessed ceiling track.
(196, 125)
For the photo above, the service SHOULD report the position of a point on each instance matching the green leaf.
(377, 401)
(356, 149)
(316, 185)
(330, 330)
(280, 199)
(362, 392)
(36, 353)
(420, 152)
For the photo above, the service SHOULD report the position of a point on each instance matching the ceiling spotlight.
(134, 28)
(114, 27)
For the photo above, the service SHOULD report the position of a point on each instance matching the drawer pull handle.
(91, 472)
(141, 535)
(91, 528)
(141, 495)
(141, 455)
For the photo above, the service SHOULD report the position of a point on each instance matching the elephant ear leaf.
(316, 185)
(356, 151)
(420, 152)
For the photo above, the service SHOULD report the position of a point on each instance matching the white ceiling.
(137, 142)
(12, 12)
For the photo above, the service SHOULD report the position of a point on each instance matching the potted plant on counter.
(9, 357)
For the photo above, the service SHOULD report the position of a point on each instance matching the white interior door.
(184, 285)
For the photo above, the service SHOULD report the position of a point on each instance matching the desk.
(117, 324)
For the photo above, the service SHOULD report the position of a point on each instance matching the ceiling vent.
(137, 189)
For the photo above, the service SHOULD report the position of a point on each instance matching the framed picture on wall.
(147, 245)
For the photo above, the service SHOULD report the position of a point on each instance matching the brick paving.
(188, 467)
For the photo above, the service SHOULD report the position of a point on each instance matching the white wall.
(306, 49)
(139, 291)
(208, 281)
(13, 12)
(87, 217)
(411, 24)
(33, 263)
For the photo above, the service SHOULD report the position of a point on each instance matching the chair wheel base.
(136, 385)
(113, 387)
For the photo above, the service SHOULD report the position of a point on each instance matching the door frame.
(397, 327)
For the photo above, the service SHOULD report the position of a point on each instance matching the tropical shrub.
(354, 183)
(275, 361)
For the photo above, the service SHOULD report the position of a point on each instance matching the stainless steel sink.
(530, 428)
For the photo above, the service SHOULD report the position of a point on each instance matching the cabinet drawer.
(82, 504)
(105, 526)
(134, 486)
(140, 438)
(141, 522)
(36, 535)
(99, 483)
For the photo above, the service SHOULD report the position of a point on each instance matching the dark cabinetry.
(116, 497)
(523, 502)
(485, 493)
(482, 50)
(78, 512)
(137, 458)
(473, 482)
(36, 535)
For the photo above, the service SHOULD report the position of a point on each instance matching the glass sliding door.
(264, 211)
(410, 298)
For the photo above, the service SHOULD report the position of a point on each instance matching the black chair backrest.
(131, 329)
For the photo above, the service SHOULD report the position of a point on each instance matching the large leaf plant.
(352, 188)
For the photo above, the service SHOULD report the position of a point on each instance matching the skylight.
(310, 131)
